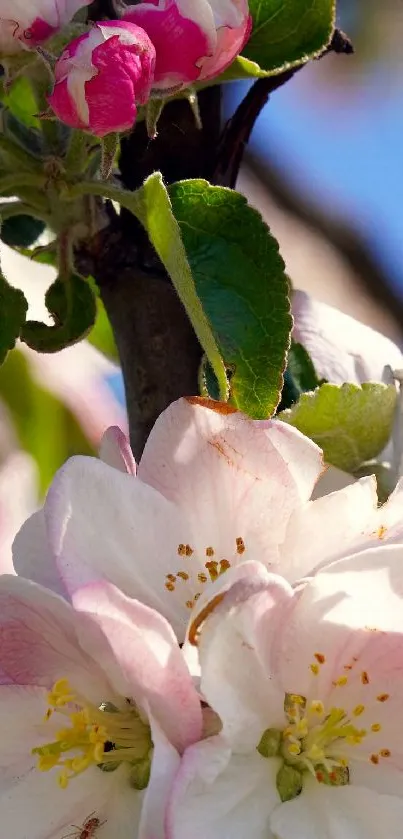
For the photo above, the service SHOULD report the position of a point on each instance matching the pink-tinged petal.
(218, 794)
(18, 499)
(342, 643)
(21, 712)
(330, 527)
(164, 768)
(38, 641)
(35, 806)
(235, 678)
(103, 524)
(183, 34)
(338, 813)
(141, 656)
(32, 557)
(229, 476)
(342, 349)
(230, 42)
(115, 451)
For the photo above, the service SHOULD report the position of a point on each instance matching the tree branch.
(159, 352)
(237, 132)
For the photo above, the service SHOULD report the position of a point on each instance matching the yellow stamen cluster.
(94, 735)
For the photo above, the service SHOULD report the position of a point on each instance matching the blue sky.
(353, 157)
(347, 151)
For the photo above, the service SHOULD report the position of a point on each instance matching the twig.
(238, 129)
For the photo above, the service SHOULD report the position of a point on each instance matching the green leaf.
(21, 101)
(228, 274)
(46, 429)
(101, 335)
(21, 231)
(240, 279)
(72, 305)
(299, 376)
(301, 367)
(13, 311)
(351, 424)
(286, 33)
(152, 207)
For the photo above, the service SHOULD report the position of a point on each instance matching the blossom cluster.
(192, 647)
(155, 49)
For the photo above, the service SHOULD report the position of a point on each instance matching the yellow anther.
(317, 707)
(340, 682)
(358, 710)
(63, 780)
(315, 669)
(376, 726)
(294, 749)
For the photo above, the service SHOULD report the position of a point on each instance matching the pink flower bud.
(194, 39)
(102, 76)
(30, 22)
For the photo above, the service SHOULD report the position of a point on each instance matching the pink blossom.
(194, 40)
(96, 705)
(214, 491)
(30, 22)
(102, 76)
(308, 684)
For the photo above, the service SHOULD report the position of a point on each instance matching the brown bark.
(159, 352)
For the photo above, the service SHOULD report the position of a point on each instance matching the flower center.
(196, 572)
(314, 740)
(103, 736)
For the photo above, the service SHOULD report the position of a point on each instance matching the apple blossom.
(194, 40)
(96, 706)
(24, 23)
(19, 497)
(213, 489)
(113, 56)
(308, 684)
(342, 349)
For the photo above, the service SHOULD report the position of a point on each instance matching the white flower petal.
(342, 349)
(330, 527)
(106, 525)
(338, 813)
(32, 556)
(234, 678)
(218, 795)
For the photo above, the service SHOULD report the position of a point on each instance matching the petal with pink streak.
(231, 477)
(142, 659)
(38, 641)
(218, 794)
(115, 451)
(351, 615)
(180, 41)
